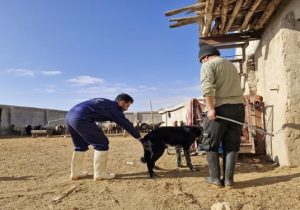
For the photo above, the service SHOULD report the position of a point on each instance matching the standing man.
(81, 122)
(221, 88)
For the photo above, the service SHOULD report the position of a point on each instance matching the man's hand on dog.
(146, 144)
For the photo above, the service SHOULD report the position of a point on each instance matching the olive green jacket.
(219, 78)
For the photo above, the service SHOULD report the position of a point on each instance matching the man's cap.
(206, 50)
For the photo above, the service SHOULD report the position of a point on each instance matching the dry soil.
(34, 174)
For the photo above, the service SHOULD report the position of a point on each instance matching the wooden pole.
(267, 14)
(208, 17)
(214, 30)
(249, 14)
(235, 11)
(223, 16)
(196, 6)
(182, 23)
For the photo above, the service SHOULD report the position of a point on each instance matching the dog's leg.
(178, 156)
(150, 166)
(187, 155)
(157, 153)
(148, 158)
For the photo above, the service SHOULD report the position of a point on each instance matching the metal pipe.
(243, 124)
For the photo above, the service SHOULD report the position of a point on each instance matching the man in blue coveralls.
(81, 122)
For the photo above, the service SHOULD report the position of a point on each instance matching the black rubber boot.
(214, 169)
(230, 162)
(223, 167)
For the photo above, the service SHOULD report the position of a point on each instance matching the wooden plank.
(230, 45)
(237, 37)
(233, 15)
(196, 6)
(238, 60)
(230, 9)
(200, 23)
(183, 23)
(208, 17)
(267, 14)
(249, 14)
(223, 16)
(214, 30)
(196, 18)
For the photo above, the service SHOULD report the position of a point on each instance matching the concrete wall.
(277, 78)
(22, 116)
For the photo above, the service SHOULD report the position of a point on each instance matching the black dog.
(155, 143)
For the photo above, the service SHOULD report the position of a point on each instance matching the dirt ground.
(34, 174)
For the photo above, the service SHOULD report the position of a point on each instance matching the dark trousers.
(225, 133)
(85, 133)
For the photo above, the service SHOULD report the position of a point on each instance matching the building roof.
(223, 21)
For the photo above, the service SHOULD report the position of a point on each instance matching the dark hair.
(124, 97)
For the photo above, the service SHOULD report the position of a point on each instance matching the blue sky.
(57, 53)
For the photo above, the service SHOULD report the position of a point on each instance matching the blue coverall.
(81, 122)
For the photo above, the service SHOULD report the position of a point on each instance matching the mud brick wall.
(276, 77)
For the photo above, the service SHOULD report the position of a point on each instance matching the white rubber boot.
(77, 166)
(100, 164)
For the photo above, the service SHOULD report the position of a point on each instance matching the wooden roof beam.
(235, 11)
(230, 9)
(208, 17)
(184, 18)
(249, 14)
(229, 38)
(223, 16)
(231, 45)
(267, 14)
(246, 2)
(187, 8)
(214, 30)
(183, 23)
(236, 60)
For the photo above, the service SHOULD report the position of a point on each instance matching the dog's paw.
(156, 168)
(179, 166)
(195, 169)
(154, 176)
